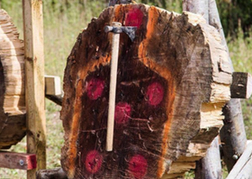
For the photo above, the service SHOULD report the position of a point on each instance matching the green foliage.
(235, 14)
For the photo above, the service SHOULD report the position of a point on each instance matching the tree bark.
(168, 101)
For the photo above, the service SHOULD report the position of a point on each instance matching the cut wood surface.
(170, 93)
(12, 98)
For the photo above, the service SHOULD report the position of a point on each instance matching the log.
(169, 100)
(12, 98)
(209, 167)
(233, 135)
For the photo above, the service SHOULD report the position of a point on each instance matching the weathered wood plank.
(35, 85)
(18, 161)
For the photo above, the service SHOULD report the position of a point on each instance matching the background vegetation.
(65, 19)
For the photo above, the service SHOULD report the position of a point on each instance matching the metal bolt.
(21, 162)
(235, 157)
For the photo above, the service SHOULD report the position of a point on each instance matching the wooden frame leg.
(34, 69)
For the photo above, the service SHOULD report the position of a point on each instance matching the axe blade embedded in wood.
(116, 28)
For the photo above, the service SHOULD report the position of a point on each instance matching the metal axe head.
(117, 29)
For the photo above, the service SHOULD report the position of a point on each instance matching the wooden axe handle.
(112, 88)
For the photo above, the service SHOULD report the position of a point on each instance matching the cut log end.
(168, 87)
(12, 99)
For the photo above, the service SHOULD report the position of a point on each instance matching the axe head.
(130, 31)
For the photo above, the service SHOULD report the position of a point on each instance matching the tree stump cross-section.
(169, 95)
(12, 97)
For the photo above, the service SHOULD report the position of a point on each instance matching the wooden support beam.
(53, 89)
(242, 168)
(56, 99)
(18, 161)
(34, 69)
(52, 85)
(241, 86)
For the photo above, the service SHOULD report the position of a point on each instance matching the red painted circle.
(95, 87)
(134, 18)
(138, 166)
(155, 93)
(93, 161)
(122, 113)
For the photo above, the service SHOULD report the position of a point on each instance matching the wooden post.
(34, 68)
(232, 134)
(197, 7)
(209, 167)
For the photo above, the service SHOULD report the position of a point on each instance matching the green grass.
(61, 27)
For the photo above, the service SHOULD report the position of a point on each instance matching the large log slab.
(12, 98)
(173, 81)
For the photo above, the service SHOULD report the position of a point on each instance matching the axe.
(116, 29)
